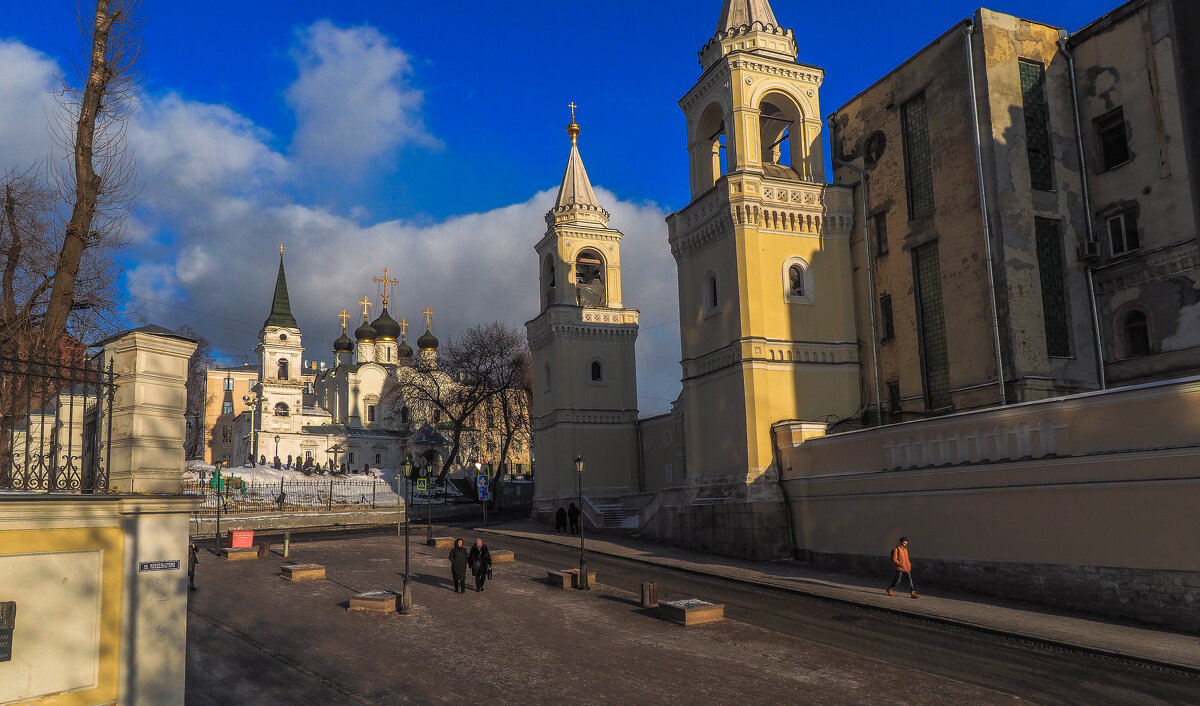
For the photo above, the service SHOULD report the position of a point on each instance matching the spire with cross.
(385, 281)
(366, 308)
(403, 328)
(343, 316)
(428, 317)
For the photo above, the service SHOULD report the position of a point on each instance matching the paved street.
(254, 638)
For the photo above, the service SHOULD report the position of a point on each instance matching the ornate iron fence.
(55, 425)
(238, 496)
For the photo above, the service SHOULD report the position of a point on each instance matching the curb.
(953, 622)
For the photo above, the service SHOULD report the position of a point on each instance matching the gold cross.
(281, 249)
(385, 282)
(572, 106)
(366, 306)
(428, 317)
(343, 316)
(403, 327)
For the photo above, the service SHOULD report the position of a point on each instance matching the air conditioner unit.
(1088, 251)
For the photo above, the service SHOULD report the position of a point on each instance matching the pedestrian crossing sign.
(422, 484)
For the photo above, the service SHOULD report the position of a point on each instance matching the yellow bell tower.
(582, 342)
(763, 253)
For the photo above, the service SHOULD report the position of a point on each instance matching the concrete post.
(148, 423)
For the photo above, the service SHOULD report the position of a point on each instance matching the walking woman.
(481, 563)
(458, 566)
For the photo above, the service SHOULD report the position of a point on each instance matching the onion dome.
(343, 344)
(404, 351)
(386, 328)
(364, 332)
(427, 341)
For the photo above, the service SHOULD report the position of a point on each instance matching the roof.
(576, 188)
(152, 329)
(743, 13)
(342, 430)
(281, 307)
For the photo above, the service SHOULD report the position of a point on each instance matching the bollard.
(649, 594)
(287, 543)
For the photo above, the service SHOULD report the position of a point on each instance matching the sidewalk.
(957, 607)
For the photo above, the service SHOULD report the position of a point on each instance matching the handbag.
(489, 573)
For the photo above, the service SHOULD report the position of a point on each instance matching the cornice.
(759, 350)
(584, 416)
(573, 323)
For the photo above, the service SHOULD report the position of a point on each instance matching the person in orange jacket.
(903, 567)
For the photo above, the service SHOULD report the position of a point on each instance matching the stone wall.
(1162, 596)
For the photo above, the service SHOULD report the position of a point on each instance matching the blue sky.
(425, 137)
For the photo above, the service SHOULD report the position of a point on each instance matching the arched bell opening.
(590, 287)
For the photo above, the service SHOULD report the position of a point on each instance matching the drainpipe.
(862, 180)
(1087, 211)
(983, 207)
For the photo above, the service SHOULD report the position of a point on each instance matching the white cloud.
(352, 98)
(27, 81)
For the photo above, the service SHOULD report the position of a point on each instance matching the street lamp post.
(583, 572)
(427, 474)
(405, 596)
(276, 447)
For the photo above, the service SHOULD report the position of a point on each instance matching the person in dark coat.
(560, 520)
(458, 566)
(573, 514)
(480, 560)
(193, 559)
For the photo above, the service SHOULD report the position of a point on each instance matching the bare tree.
(197, 398)
(469, 372)
(59, 233)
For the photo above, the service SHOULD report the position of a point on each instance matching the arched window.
(227, 434)
(597, 371)
(589, 278)
(1136, 331)
(378, 460)
(370, 413)
(283, 369)
(712, 293)
(797, 281)
(281, 410)
(404, 415)
(784, 139)
(549, 279)
(709, 157)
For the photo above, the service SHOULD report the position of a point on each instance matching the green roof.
(281, 307)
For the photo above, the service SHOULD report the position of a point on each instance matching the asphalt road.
(1023, 669)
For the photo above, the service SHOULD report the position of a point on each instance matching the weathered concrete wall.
(1138, 59)
(1083, 500)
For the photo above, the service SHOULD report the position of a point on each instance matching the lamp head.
(579, 465)
(407, 467)
(276, 438)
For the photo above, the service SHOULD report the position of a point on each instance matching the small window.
(546, 373)
(1136, 331)
(227, 434)
(712, 293)
(283, 369)
(885, 313)
(894, 396)
(378, 460)
(404, 415)
(370, 413)
(1114, 143)
(283, 336)
(1037, 125)
(667, 475)
(597, 371)
(1123, 232)
(880, 220)
(281, 410)
(349, 457)
(797, 283)
(227, 408)
(229, 384)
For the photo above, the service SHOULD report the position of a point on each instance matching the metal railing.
(238, 496)
(55, 425)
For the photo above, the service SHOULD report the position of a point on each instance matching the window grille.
(1037, 125)
(931, 324)
(918, 170)
(1054, 295)
(1114, 143)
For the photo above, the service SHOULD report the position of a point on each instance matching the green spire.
(281, 308)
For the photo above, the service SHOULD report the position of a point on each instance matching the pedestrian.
(458, 566)
(903, 567)
(560, 520)
(193, 559)
(573, 514)
(481, 563)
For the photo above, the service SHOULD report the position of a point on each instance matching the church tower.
(280, 385)
(766, 316)
(584, 379)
